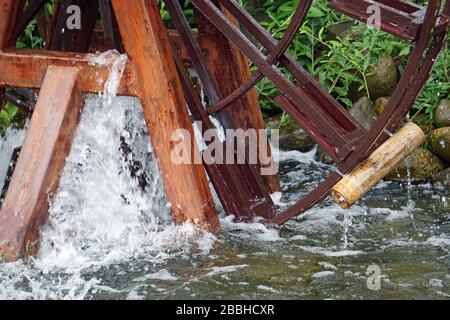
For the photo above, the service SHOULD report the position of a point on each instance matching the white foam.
(438, 241)
(327, 265)
(8, 143)
(228, 269)
(329, 253)
(267, 288)
(322, 274)
(255, 231)
(162, 274)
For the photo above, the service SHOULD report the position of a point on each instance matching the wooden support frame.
(61, 77)
(230, 69)
(400, 18)
(147, 44)
(2, 97)
(27, 68)
(42, 159)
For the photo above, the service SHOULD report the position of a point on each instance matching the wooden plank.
(40, 163)
(27, 68)
(146, 42)
(26, 16)
(231, 69)
(397, 18)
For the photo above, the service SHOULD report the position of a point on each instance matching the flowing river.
(106, 239)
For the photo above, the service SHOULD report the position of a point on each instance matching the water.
(12, 140)
(107, 238)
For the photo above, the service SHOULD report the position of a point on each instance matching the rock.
(442, 177)
(292, 137)
(322, 156)
(440, 142)
(354, 92)
(380, 105)
(289, 127)
(363, 112)
(384, 80)
(285, 128)
(423, 166)
(423, 121)
(442, 115)
(297, 140)
(339, 30)
(273, 122)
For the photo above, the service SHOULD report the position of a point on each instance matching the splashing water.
(410, 204)
(115, 62)
(347, 223)
(12, 140)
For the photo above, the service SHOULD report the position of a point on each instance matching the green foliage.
(30, 38)
(345, 62)
(7, 116)
(437, 87)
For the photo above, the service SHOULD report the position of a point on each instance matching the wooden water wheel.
(316, 111)
(156, 74)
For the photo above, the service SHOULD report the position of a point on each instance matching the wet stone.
(380, 105)
(384, 79)
(440, 141)
(423, 165)
(292, 137)
(442, 177)
(322, 156)
(442, 115)
(363, 112)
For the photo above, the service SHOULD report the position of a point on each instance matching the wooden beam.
(231, 69)
(111, 34)
(177, 44)
(27, 69)
(40, 163)
(75, 40)
(147, 44)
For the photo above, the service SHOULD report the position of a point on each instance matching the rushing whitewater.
(100, 215)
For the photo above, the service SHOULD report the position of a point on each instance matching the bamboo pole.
(382, 161)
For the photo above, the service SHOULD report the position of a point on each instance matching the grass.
(340, 63)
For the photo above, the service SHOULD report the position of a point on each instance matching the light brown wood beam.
(147, 43)
(44, 152)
